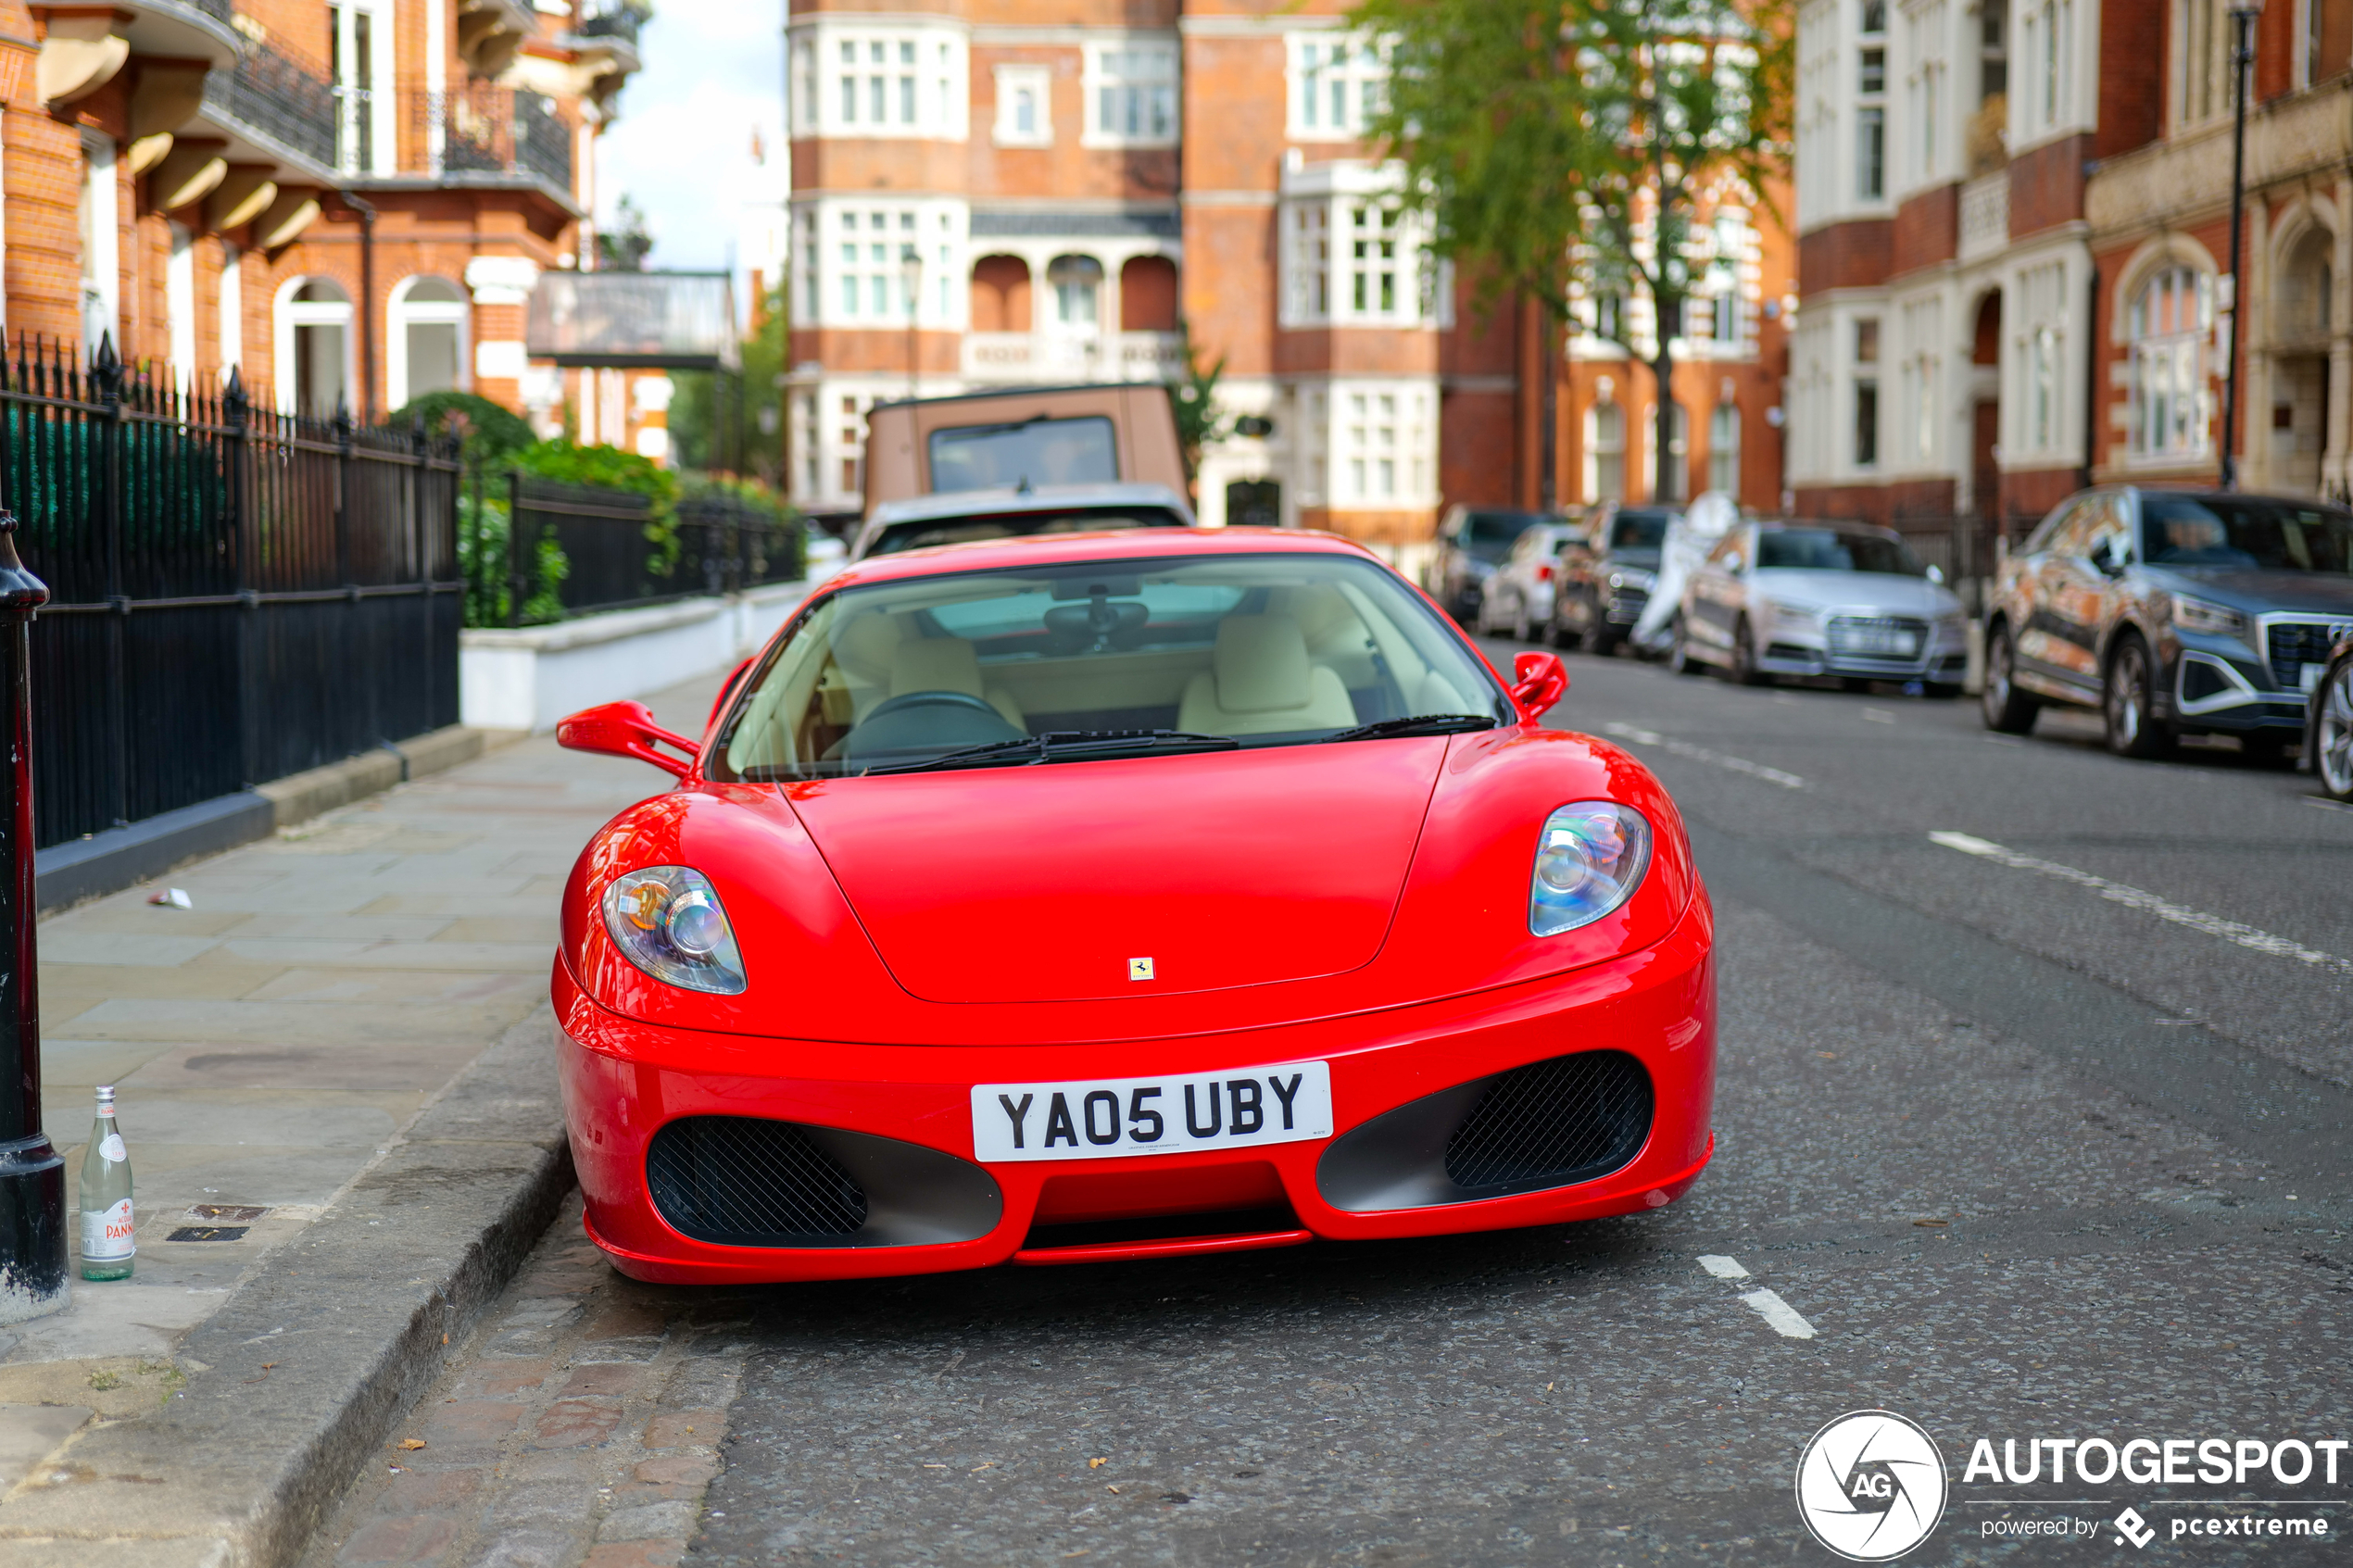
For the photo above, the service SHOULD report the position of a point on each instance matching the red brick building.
(2014, 227)
(347, 202)
(1056, 189)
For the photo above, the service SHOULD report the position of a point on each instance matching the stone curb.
(308, 1367)
(90, 868)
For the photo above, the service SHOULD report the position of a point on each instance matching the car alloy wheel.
(1679, 653)
(1744, 669)
(2126, 702)
(2003, 707)
(2333, 733)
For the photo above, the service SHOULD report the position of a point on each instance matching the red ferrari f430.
(1117, 895)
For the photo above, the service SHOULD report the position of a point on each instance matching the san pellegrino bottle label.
(108, 1232)
(106, 1235)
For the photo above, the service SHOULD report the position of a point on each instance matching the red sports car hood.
(1064, 882)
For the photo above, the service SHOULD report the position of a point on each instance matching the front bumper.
(2217, 684)
(1796, 648)
(624, 1081)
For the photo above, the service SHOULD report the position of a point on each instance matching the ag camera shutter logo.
(1870, 1486)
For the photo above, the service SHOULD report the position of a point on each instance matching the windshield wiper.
(1416, 724)
(1065, 745)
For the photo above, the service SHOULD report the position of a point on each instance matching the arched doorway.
(1147, 295)
(314, 347)
(2300, 326)
(1001, 294)
(427, 339)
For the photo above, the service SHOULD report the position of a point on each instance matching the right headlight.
(2200, 615)
(668, 921)
(1590, 859)
(1789, 614)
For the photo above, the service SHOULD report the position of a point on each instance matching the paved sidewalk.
(271, 1043)
(581, 1425)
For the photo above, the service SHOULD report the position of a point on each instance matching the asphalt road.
(2039, 1130)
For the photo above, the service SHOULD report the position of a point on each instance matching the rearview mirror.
(1538, 682)
(1936, 575)
(625, 729)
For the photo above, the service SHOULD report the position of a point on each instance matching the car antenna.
(1022, 488)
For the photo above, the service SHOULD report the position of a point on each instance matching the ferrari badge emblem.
(1140, 968)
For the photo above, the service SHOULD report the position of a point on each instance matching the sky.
(682, 147)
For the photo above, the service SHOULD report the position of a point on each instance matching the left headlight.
(1590, 859)
(668, 921)
(2201, 615)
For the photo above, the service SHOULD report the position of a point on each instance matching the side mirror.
(1538, 682)
(1936, 575)
(625, 729)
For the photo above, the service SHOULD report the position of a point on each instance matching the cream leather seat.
(946, 664)
(1260, 681)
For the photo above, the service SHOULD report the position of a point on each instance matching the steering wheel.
(906, 701)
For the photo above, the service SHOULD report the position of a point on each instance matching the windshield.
(965, 527)
(1639, 531)
(1033, 452)
(1490, 535)
(1267, 649)
(1832, 549)
(2250, 535)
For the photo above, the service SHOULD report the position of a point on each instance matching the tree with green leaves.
(1193, 398)
(1565, 147)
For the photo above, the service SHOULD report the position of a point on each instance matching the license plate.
(1104, 1118)
(1902, 645)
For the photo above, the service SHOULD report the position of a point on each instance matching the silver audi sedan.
(1840, 599)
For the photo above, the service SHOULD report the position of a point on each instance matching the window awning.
(622, 321)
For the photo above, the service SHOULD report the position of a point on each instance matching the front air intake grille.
(2295, 643)
(1548, 1123)
(743, 1182)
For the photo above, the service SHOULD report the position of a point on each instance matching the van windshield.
(1032, 452)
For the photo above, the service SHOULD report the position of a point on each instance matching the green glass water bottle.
(106, 1243)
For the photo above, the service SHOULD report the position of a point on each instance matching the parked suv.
(1605, 582)
(1472, 542)
(2172, 612)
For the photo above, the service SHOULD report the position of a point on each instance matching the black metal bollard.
(32, 1176)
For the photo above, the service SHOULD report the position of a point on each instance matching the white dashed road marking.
(1701, 753)
(1765, 1304)
(1781, 1314)
(2149, 903)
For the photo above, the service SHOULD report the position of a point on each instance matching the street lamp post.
(32, 1176)
(2242, 16)
(911, 275)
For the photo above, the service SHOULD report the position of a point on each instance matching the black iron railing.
(482, 130)
(270, 93)
(614, 555)
(234, 595)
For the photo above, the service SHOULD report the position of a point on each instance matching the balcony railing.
(270, 93)
(611, 18)
(494, 130)
(1021, 358)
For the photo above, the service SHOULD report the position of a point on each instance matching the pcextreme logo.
(1870, 1486)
